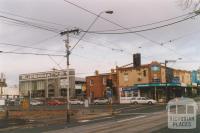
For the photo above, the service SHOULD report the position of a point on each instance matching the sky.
(95, 51)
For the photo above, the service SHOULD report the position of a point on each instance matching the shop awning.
(131, 88)
(157, 85)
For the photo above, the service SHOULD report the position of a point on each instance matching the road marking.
(126, 107)
(101, 118)
(135, 113)
(83, 121)
(132, 118)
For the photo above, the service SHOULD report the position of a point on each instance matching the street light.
(68, 52)
(168, 61)
(108, 12)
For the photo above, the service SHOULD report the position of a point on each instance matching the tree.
(193, 4)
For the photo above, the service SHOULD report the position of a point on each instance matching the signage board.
(2, 102)
(155, 68)
(44, 75)
(64, 83)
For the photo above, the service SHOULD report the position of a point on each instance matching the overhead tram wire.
(101, 45)
(105, 19)
(114, 23)
(22, 46)
(148, 29)
(21, 22)
(179, 37)
(39, 27)
(55, 62)
(144, 25)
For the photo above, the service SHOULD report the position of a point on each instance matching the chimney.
(136, 60)
(112, 71)
(96, 72)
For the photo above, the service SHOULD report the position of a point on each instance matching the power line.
(144, 25)
(23, 46)
(29, 53)
(101, 45)
(32, 24)
(179, 37)
(39, 42)
(55, 62)
(31, 18)
(148, 29)
(114, 23)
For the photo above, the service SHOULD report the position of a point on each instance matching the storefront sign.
(43, 75)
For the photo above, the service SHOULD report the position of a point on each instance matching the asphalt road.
(122, 112)
(127, 119)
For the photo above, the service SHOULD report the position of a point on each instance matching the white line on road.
(132, 118)
(126, 108)
(135, 113)
(82, 121)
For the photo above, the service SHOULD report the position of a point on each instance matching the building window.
(91, 82)
(125, 76)
(104, 80)
(139, 79)
(144, 73)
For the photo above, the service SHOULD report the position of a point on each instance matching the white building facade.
(47, 84)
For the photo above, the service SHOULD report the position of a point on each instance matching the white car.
(142, 100)
(101, 101)
(75, 101)
(34, 102)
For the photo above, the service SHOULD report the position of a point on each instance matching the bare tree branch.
(190, 4)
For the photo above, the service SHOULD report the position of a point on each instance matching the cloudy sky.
(96, 51)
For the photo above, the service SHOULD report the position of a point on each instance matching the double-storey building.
(47, 84)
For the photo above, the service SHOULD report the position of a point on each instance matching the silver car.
(142, 100)
(101, 101)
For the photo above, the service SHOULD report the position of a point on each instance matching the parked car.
(36, 102)
(142, 100)
(55, 102)
(101, 101)
(75, 101)
(13, 102)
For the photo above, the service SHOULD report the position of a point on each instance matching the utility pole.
(68, 52)
(167, 89)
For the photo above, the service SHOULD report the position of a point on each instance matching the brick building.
(153, 80)
(97, 85)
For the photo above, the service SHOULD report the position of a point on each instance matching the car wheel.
(150, 102)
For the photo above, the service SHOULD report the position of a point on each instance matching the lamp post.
(68, 52)
(167, 89)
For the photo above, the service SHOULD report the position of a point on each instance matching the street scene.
(99, 66)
